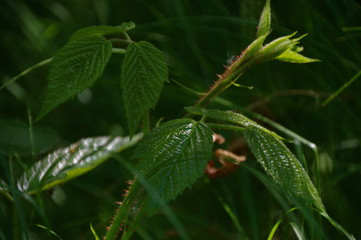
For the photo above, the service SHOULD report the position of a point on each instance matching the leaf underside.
(75, 68)
(72, 161)
(144, 72)
(174, 155)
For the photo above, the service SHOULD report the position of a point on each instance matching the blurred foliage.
(198, 38)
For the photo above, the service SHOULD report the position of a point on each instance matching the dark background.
(198, 38)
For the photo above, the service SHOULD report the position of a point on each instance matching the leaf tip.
(264, 25)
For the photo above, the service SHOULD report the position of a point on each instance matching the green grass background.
(198, 38)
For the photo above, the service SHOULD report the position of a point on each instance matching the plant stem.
(26, 71)
(344, 86)
(227, 79)
(146, 124)
(225, 126)
(127, 36)
(119, 50)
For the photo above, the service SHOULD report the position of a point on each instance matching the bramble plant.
(172, 155)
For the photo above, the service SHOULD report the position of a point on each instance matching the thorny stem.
(227, 79)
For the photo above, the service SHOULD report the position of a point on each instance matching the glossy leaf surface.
(72, 161)
(174, 155)
(75, 68)
(283, 167)
(229, 116)
(144, 72)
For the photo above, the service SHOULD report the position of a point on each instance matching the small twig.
(227, 167)
(291, 92)
(223, 156)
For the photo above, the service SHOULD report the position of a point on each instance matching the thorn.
(130, 182)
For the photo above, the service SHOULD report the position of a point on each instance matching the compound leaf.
(75, 67)
(283, 167)
(174, 155)
(101, 30)
(72, 161)
(144, 72)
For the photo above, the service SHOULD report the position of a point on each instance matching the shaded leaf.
(101, 30)
(72, 161)
(294, 57)
(229, 116)
(144, 72)
(75, 67)
(264, 25)
(174, 155)
(283, 167)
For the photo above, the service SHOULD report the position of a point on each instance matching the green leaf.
(264, 25)
(294, 57)
(75, 67)
(144, 72)
(101, 30)
(229, 116)
(254, 47)
(72, 161)
(283, 167)
(275, 48)
(174, 155)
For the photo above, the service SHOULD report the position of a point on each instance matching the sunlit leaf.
(254, 47)
(75, 68)
(72, 161)
(294, 57)
(144, 72)
(283, 167)
(264, 25)
(275, 48)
